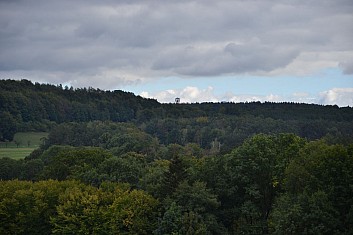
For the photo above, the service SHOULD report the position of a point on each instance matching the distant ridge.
(33, 106)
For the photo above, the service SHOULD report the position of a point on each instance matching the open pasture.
(22, 145)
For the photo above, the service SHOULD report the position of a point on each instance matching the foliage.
(128, 168)
(319, 189)
(119, 138)
(255, 174)
(70, 207)
(152, 179)
(97, 211)
(305, 214)
(8, 126)
(72, 162)
(26, 208)
(10, 168)
(30, 103)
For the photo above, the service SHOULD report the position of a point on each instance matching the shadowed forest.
(116, 163)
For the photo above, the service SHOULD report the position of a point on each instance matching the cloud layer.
(83, 42)
(336, 96)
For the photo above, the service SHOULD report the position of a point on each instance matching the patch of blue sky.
(246, 84)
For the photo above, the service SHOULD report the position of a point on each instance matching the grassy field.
(15, 153)
(22, 145)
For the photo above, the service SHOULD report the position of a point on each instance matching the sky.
(199, 51)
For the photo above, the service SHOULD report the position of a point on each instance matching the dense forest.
(25, 106)
(116, 163)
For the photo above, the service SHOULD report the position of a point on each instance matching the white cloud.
(166, 96)
(194, 94)
(187, 95)
(253, 98)
(339, 96)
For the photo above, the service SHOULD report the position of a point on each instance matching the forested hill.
(26, 106)
(36, 102)
(285, 110)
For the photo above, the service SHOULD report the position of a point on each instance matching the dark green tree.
(318, 198)
(174, 176)
(10, 168)
(8, 126)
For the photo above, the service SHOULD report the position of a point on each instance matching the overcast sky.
(220, 50)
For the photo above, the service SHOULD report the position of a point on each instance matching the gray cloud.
(129, 41)
(230, 58)
(347, 66)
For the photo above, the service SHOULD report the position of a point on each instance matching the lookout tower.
(177, 100)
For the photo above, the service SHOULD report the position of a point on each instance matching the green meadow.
(22, 145)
